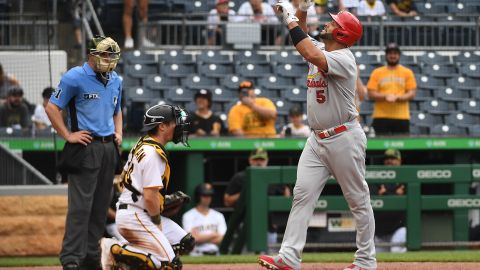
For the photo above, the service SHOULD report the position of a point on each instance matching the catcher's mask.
(106, 53)
(164, 113)
(204, 189)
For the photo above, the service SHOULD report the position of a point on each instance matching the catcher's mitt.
(174, 202)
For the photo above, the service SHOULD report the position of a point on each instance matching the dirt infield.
(310, 266)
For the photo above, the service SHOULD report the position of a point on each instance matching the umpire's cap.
(157, 114)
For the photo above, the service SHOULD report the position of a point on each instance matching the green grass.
(420, 256)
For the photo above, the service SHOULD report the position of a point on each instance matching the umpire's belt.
(331, 131)
(103, 139)
(126, 206)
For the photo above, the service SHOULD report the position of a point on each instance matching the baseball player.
(337, 143)
(207, 225)
(154, 240)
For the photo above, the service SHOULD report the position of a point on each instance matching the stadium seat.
(464, 83)
(180, 94)
(286, 57)
(253, 70)
(250, 57)
(451, 94)
(138, 57)
(471, 70)
(275, 82)
(215, 70)
(220, 94)
(423, 94)
(466, 57)
(140, 94)
(11, 132)
(366, 70)
(298, 94)
(426, 82)
(474, 130)
(428, 8)
(462, 119)
(196, 81)
(140, 71)
(447, 130)
(177, 70)
(128, 81)
(423, 119)
(470, 106)
(433, 58)
(301, 81)
(365, 58)
(437, 107)
(283, 106)
(414, 68)
(158, 82)
(441, 71)
(231, 81)
(175, 57)
(461, 9)
(291, 70)
(213, 57)
(264, 92)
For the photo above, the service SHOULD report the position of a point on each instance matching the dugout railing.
(258, 205)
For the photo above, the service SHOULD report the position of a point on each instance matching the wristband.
(156, 219)
(297, 35)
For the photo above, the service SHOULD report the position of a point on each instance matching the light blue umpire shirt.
(95, 103)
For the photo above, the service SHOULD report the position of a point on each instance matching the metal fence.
(187, 31)
(16, 171)
(28, 32)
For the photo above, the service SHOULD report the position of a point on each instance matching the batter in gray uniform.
(337, 143)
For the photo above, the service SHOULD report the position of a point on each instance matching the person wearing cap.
(14, 113)
(206, 225)
(40, 117)
(391, 87)
(145, 180)
(253, 116)
(91, 96)
(221, 13)
(296, 127)
(203, 121)
(7, 81)
(402, 8)
(371, 8)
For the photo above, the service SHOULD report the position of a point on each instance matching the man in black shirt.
(203, 121)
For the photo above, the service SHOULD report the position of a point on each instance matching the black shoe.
(71, 266)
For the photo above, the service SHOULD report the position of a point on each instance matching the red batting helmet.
(350, 30)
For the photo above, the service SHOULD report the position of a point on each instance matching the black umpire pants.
(89, 195)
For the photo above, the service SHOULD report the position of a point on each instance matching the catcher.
(154, 240)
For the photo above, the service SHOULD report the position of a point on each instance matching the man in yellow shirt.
(253, 116)
(391, 87)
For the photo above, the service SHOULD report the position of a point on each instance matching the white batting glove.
(287, 12)
(305, 5)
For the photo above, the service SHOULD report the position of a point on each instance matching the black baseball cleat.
(71, 266)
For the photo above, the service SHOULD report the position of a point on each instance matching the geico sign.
(463, 202)
(322, 204)
(434, 174)
(380, 174)
(376, 203)
(476, 173)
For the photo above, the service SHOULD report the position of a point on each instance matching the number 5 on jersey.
(321, 98)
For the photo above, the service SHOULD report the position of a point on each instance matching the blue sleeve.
(66, 89)
(119, 101)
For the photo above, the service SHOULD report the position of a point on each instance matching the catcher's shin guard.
(185, 246)
(134, 260)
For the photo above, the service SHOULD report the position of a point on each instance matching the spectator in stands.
(321, 6)
(40, 118)
(14, 113)
(221, 13)
(257, 158)
(392, 228)
(371, 8)
(296, 127)
(206, 225)
(391, 87)
(256, 11)
(350, 5)
(253, 116)
(76, 11)
(142, 7)
(402, 8)
(6, 82)
(203, 121)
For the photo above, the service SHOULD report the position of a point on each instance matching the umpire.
(91, 95)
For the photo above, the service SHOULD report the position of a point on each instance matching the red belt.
(332, 131)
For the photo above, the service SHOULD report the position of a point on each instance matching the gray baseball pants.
(343, 156)
(89, 195)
